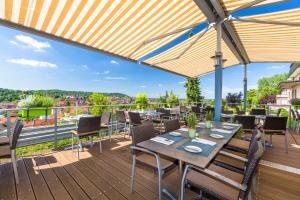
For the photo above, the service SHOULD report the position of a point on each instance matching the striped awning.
(114, 26)
(271, 42)
(197, 60)
(230, 5)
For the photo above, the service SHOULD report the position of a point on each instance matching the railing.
(58, 123)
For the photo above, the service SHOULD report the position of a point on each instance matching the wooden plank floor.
(58, 175)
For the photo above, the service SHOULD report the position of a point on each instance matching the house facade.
(290, 89)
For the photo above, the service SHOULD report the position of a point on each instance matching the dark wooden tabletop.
(200, 161)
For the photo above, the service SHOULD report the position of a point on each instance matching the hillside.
(9, 95)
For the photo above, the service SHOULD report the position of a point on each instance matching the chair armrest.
(74, 132)
(221, 178)
(231, 155)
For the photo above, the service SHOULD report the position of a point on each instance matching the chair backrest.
(251, 168)
(142, 133)
(183, 109)
(247, 121)
(159, 110)
(121, 118)
(196, 109)
(171, 125)
(105, 118)
(293, 114)
(297, 114)
(275, 123)
(258, 111)
(16, 134)
(134, 118)
(256, 136)
(88, 124)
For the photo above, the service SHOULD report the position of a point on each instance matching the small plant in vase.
(191, 123)
(208, 119)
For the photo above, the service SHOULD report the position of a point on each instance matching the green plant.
(141, 99)
(209, 116)
(97, 100)
(191, 120)
(295, 102)
(193, 92)
(36, 101)
(172, 99)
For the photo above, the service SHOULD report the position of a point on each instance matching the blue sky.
(31, 62)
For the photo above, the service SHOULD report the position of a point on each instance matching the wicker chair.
(219, 183)
(258, 111)
(87, 127)
(171, 125)
(121, 121)
(8, 147)
(247, 121)
(147, 158)
(275, 125)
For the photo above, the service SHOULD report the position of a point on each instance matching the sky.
(31, 62)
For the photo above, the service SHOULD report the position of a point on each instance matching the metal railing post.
(8, 123)
(55, 127)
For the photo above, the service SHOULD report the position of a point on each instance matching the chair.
(105, 123)
(258, 111)
(87, 127)
(275, 125)
(247, 121)
(237, 161)
(171, 125)
(135, 119)
(238, 111)
(147, 158)
(197, 111)
(227, 118)
(220, 183)
(8, 149)
(121, 121)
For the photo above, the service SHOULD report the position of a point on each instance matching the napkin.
(221, 130)
(183, 129)
(162, 140)
(204, 141)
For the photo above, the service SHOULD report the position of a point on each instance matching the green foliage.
(141, 99)
(31, 114)
(97, 100)
(209, 116)
(191, 120)
(172, 100)
(251, 95)
(193, 92)
(295, 102)
(36, 101)
(9, 95)
(269, 86)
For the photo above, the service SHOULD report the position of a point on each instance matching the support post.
(245, 88)
(218, 74)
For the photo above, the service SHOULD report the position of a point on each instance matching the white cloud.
(32, 63)
(115, 78)
(29, 42)
(143, 86)
(275, 67)
(181, 82)
(84, 66)
(114, 62)
(103, 73)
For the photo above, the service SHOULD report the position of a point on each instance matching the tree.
(193, 92)
(172, 99)
(234, 99)
(97, 100)
(251, 96)
(269, 86)
(141, 99)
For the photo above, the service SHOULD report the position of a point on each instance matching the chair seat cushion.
(150, 160)
(239, 144)
(4, 140)
(214, 186)
(5, 151)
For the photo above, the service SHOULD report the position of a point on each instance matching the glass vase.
(192, 133)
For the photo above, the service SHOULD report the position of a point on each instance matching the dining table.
(177, 142)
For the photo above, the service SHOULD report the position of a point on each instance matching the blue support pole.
(218, 74)
(245, 88)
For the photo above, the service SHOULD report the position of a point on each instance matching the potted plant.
(191, 123)
(208, 119)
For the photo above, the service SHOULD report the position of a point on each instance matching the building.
(290, 89)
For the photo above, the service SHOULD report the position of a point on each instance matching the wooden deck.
(58, 175)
